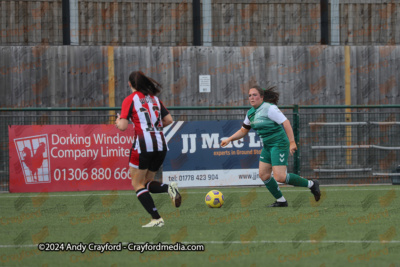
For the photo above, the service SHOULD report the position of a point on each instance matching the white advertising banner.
(195, 158)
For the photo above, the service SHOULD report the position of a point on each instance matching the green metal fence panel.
(334, 146)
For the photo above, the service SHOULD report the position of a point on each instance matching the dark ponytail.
(144, 84)
(269, 95)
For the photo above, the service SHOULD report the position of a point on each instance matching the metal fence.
(359, 145)
(337, 144)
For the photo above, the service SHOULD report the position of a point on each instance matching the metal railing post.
(296, 132)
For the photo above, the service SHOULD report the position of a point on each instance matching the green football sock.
(273, 187)
(294, 179)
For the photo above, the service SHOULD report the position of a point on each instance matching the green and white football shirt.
(266, 120)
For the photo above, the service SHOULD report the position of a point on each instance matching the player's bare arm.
(289, 133)
(121, 124)
(236, 136)
(167, 120)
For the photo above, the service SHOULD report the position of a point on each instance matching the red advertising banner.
(50, 158)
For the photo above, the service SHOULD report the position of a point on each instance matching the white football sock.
(281, 199)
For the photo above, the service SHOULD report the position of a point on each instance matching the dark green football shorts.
(276, 156)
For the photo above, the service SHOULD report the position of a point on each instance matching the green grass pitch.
(349, 226)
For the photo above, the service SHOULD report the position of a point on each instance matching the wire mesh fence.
(336, 145)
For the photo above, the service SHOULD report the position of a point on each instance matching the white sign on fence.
(205, 83)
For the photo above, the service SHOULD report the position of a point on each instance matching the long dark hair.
(144, 84)
(269, 94)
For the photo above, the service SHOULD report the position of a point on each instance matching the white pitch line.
(247, 242)
(133, 193)
(292, 241)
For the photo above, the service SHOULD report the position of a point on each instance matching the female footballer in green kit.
(278, 142)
